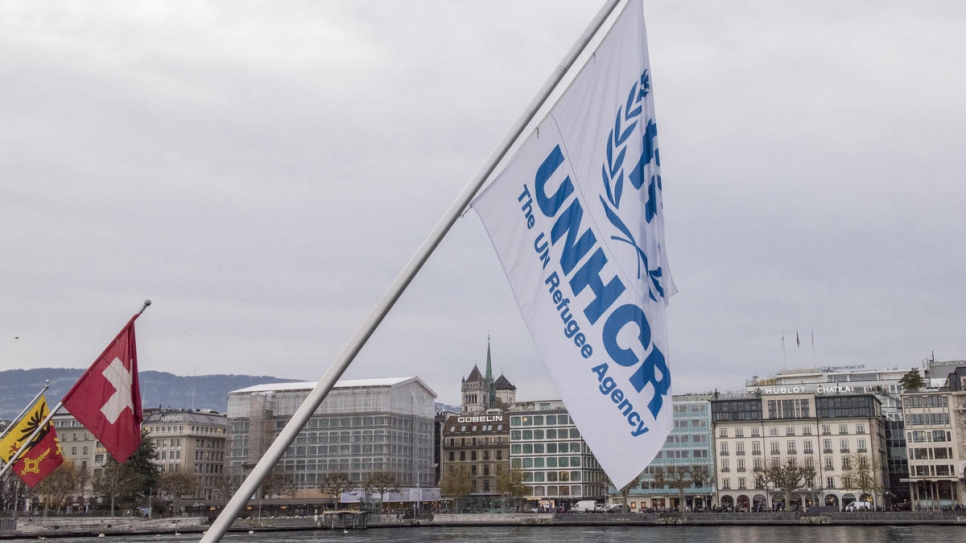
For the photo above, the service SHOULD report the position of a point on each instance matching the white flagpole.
(285, 438)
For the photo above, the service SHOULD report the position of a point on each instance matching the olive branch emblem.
(612, 173)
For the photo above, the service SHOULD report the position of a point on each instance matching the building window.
(740, 448)
(723, 432)
(756, 447)
(724, 449)
(826, 430)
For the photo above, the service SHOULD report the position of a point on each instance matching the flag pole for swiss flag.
(89, 395)
(107, 398)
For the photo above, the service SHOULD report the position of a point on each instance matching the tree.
(114, 481)
(58, 485)
(701, 477)
(786, 476)
(912, 381)
(457, 483)
(337, 483)
(862, 475)
(509, 483)
(11, 491)
(382, 482)
(679, 477)
(278, 484)
(178, 484)
(625, 491)
(136, 478)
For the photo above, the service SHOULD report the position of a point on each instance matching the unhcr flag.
(576, 218)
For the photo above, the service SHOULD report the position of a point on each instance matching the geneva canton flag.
(576, 219)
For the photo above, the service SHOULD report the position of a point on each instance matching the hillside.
(17, 387)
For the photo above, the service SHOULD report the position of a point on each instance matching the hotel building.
(824, 430)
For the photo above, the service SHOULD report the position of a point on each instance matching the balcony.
(844, 451)
(827, 451)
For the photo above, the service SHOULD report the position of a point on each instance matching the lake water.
(581, 534)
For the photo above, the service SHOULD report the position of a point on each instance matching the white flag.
(576, 218)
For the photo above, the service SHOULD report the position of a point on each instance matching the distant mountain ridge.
(158, 389)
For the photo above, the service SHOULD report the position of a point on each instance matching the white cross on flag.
(107, 398)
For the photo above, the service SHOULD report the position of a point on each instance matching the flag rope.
(301, 416)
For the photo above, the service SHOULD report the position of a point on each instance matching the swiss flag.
(107, 398)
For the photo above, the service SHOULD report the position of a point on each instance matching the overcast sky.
(262, 171)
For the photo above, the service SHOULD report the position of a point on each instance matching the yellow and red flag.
(43, 454)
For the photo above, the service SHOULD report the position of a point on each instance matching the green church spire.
(491, 385)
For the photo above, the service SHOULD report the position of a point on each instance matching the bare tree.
(457, 483)
(382, 482)
(278, 485)
(680, 478)
(335, 484)
(862, 475)
(178, 484)
(55, 488)
(115, 481)
(785, 476)
(625, 491)
(509, 483)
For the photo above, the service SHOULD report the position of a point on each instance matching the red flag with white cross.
(107, 398)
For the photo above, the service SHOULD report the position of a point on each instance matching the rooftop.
(345, 383)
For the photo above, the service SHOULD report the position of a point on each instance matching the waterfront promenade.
(54, 527)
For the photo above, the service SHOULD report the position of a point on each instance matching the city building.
(936, 442)
(477, 447)
(883, 383)
(191, 441)
(686, 460)
(830, 432)
(363, 426)
(546, 446)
